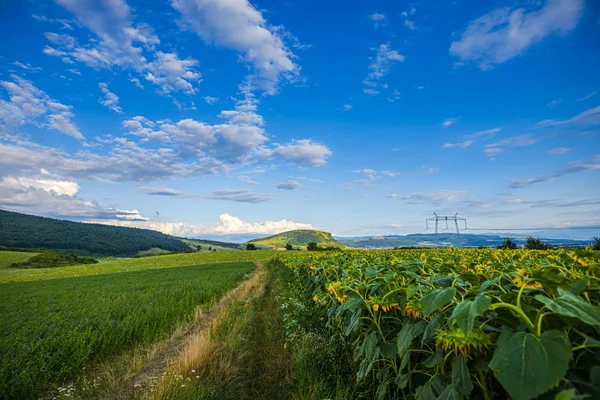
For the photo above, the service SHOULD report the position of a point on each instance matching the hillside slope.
(28, 231)
(298, 238)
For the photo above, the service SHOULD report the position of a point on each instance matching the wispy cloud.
(575, 167)
(237, 195)
(381, 65)
(590, 95)
(506, 33)
(559, 150)
(434, 197)
(588, 117)
(347, 107)
(493, 149)
(110, 100)
(459, 145)
(289, 185)
(450, 121)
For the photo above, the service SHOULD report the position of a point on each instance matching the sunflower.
(520, 282)
(455, 340)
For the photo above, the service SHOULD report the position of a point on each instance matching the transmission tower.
(445, 219)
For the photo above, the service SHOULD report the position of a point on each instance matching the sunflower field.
(458, 323)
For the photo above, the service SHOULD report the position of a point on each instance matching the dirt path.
(171, 349)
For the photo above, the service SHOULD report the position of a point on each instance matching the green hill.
(298, 238)
(28, 231)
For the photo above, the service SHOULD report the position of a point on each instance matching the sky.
(208, 117)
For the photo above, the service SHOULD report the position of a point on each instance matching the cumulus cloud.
(588, 117)
(434, 197)
(121, 42)
(240, 26)
(304, 152)
(110, 100)
(575, 167)
(506, 33)
(228, 225)
(211, 100)
(385, 58)
(289, 185)
(49, 195)
(29, 105)
(171, 74)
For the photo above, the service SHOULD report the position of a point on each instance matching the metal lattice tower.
(445, 218)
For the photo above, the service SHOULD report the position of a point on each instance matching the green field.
(52, 329)
(131, 264)
(10, 257)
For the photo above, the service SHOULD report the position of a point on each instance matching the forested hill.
(28, 231)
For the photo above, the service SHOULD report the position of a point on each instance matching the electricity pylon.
(445, 218)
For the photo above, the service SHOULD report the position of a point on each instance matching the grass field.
(131, 264)
(52, 329)
(9, 257)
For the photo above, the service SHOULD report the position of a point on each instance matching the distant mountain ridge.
(29, 231)
(299, 238)
(444, 240)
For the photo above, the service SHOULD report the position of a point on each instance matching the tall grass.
(52, 329)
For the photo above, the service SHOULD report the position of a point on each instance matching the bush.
(251, 246)
(508, 244)
(536, 244)
(312, 246)
(596, 244)
(289, 246)
(53, 259)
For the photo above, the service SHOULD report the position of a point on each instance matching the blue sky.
(202, 117)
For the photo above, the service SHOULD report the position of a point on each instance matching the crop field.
(10, 257)
(131, 264)
(449, 323)
(53, 328)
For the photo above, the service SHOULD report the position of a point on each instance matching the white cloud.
(110, 100)
(238, 25)
(433, 197)
(376, 17)
(305, 152)
(228, 225)
(248, 180)
(237, 195)
(485, 133)
(28, 105)
(559, 150)
(460, 145)
(506, 33)
(575, 167)
(381, 65)
(347, 107)
(450, 121)
(289, 185)
(49, 195)
(409, 24)
(554, 103)
(370, 91)
(27, 67)
(367, 171)
(211, 100)
(493, 149)
(172, 74)
(590, 95)
(588, 117)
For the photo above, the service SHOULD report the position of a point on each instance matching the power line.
(533, 229)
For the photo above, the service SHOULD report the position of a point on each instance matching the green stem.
(518, 311)
(538, 321)
(520, 293)
(484, 388)
(584, 346)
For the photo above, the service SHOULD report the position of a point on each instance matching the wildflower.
(520, 282)
(413, 308)
(313, 267)
(375, 307)
(315, 298)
